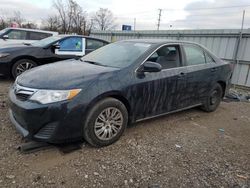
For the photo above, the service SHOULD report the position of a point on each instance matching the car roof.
(84, 36)
(34, 30)
(159, 41)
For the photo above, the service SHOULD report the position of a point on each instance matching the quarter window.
(71, 44)
(17, 35)
(194, 55)
(167, 56)
(209, 59)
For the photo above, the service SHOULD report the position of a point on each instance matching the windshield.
(3, 31)
(46, 41)
(119, 54)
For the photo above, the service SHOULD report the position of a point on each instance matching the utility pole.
(159, 20)
(238, 45)
(134, 23)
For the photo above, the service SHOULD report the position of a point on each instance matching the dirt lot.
(186, 149)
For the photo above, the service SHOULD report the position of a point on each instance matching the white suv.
(22, 35)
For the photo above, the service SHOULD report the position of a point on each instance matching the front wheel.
(21, 66)
(105, 122)
(213, 100)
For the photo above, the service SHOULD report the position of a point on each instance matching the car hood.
(68, 74)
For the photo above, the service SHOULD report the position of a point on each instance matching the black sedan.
(97, 96)
(14, 60)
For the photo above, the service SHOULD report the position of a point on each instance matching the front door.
(16, 37)
(160, 92)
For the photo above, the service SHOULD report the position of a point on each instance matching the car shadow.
(5, 80)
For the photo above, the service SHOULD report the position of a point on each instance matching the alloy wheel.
(108, 123)
(22, 67)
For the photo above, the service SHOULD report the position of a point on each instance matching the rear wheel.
(105, 122)
(214, 99)
(21, 66)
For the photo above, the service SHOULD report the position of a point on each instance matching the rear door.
(200, 73)
(92, 44)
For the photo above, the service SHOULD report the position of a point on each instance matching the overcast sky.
(180, 14)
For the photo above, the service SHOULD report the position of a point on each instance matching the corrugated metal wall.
(231, 45)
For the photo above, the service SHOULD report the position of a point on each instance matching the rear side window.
(93, 44)
(38, 35)
(194, 55)
(73, 44)
(17, 35)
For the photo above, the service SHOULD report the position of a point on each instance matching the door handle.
(181, 75)
(213, 69)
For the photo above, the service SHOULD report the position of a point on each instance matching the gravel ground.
(186, 149)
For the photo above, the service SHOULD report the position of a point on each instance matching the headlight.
(4, 55)
(51, 96)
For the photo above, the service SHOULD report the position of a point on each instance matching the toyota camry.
(96, 97)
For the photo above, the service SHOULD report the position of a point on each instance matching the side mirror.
(56, 46)
(5, 37)
(149, 66)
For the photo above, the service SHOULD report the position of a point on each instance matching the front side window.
(17, 35)
(93, 44)
(167, 56)
(194, 55)
(73, 44)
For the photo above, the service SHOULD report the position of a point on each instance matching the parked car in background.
(16, 59)
(95, 97)
(23, 35)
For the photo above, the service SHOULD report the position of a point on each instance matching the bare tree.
(89, 26)
(71, 16)
(78, 18)
(6, 20)
(61, 8)
(104, 19)
(52, 23)
(29, 25)
(18, 18)
(3, 21)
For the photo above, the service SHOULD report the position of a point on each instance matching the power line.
(215, 14)
(191, 15)
(210, 8)
(159, 20)
(147, 12)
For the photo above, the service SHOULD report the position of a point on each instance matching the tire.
(98, 122)
(21, 66)
(213, 100)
